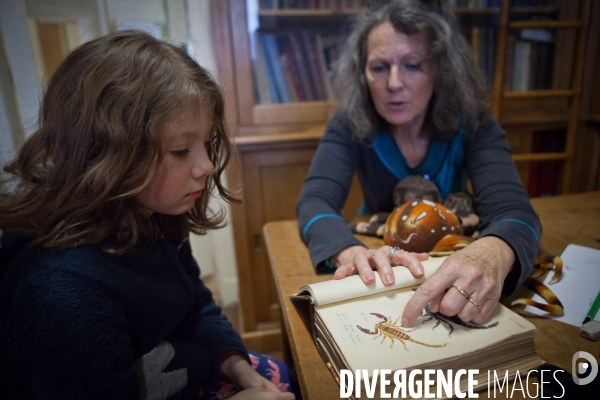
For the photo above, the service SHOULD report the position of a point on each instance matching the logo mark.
(581, 367)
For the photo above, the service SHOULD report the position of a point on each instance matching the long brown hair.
(98, 144)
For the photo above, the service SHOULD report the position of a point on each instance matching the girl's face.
(400, 80)
(181, 176)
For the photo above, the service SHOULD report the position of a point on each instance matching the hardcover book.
(357, 327)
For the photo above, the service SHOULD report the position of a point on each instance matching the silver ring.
(391, 253)
(462, 291)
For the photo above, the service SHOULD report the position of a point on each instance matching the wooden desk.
(565, 219)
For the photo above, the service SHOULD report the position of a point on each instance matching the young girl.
(100, 297)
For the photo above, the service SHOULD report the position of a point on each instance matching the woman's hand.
(360, 260)
(251, 384)
(479, 270)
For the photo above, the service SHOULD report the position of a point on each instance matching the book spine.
(521, 65)
(261, 76)
(313, 66)
(288, 78)
(274, 93)
(301, 66)
(274, 60)
(291, 72)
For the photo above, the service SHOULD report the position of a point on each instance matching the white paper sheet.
(578, 287)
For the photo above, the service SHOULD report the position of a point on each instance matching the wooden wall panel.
(273, 178)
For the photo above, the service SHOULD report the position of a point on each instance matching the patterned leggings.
(278, 372)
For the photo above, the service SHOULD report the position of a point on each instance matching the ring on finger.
(391, 253)
(462, 291)
(473, 302)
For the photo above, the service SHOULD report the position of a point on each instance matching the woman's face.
(400, 80)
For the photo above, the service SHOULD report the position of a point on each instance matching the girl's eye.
(180, 153)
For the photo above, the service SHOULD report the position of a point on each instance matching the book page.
(332, 291)
(369, 334)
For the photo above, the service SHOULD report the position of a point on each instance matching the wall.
(219, 245)
(19, 85)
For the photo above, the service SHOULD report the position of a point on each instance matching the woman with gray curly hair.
(412, 103)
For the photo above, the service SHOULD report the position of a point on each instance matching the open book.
(357, 326)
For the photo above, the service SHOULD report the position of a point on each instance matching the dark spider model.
(439, 317)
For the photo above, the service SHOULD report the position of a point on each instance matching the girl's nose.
(395, 79)
(202, 167)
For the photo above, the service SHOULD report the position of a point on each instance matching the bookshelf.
(276, 134)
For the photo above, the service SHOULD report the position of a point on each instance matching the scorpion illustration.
(387, 329)
(450, 320)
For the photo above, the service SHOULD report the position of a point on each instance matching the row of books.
(529, 60)
(294, 66)
(312, 4)
(297, 66)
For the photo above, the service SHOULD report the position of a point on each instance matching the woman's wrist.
(501, 250)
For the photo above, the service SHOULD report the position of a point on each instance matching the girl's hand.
(360, 260)
(258, 393)
(479, 270)
(249, 382)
